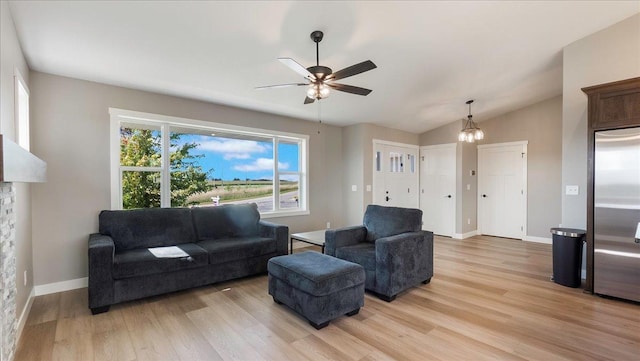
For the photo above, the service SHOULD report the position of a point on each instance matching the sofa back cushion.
(152, 227)
(229, 220)
(388, 221)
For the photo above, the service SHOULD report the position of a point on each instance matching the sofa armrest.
(101, 254)
(340, 237)
(403, 260)
(278, 232)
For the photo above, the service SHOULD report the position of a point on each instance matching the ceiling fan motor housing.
(320, 71)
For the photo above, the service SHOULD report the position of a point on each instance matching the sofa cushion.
(383, 221)
(363, 254)
(141, 262)
(229, 220)
(316, 273)
(232, 249)
(152, 227)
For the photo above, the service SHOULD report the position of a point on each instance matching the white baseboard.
(465, 235)
(61, 286)
(537, 239)
(24, 315)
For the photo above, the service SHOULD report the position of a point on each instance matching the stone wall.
(7, 272)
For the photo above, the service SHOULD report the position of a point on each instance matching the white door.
(502, 189)
(438, 188)
(395, 174)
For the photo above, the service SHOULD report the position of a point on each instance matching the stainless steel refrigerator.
(616, 238)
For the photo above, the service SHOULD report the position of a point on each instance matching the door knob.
(448, 196)
(484, 196)
(387, 198)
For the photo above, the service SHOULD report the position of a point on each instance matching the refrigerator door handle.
(638, 233)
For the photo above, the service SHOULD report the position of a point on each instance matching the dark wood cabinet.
(613, 105)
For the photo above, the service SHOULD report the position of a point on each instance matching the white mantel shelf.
(18, 165)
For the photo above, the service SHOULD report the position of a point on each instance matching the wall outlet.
(354, 188)
(328, 225)
(572, 190)
(368, 187)
(468, 220)
(468, 187)
(25, 277)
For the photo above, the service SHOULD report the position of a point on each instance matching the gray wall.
(541, 125)
(11, 58)
(70, 131)
(609, 55)
(358, 165)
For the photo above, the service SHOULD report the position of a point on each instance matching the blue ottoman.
(319, 287)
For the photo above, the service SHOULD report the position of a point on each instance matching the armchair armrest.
(278, 232)
(340, 237)
(403, 260)
(101, 254)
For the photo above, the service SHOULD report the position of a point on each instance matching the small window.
(411, 158)
(396, 162)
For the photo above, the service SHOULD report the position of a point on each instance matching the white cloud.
(260, 164)
(233, 148)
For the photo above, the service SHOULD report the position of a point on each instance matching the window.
(21, 111)
(160, 161)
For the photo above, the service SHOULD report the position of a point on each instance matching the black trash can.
(567, 255)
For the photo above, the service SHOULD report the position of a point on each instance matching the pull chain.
(319, 115)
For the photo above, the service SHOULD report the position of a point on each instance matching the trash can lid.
(568, 232)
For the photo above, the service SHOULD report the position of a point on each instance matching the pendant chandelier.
(471, 132)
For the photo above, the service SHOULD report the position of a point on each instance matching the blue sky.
(236, 158)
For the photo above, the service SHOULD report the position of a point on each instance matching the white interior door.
(502, 189)
(438, 188)
(395, 175)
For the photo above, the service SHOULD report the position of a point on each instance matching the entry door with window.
(438, 188)
(395, 175)
(502, 189)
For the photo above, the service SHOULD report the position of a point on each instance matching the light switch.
(572, 190)
(368, 187)
(354, 188)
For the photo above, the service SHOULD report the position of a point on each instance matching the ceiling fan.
(321, 78)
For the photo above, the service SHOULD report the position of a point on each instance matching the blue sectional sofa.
(219, 244)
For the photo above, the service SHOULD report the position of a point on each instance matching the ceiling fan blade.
(308, 100)
(352, 70)
(279, 86)
(295, 66)
(349, 88)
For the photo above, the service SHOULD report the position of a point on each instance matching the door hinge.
(522, 191)
(521, 228)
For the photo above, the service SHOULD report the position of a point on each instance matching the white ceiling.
(431, 56)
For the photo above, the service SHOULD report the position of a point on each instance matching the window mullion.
(276, 176)
(165, 179)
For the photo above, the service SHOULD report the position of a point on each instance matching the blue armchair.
(391, 246)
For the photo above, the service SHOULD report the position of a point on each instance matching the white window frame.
(164, 122)
(21, 110)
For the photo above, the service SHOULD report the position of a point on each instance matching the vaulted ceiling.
(431, 56)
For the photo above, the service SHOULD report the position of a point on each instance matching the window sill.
(279, 214)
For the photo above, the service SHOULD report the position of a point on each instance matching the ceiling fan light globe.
(312, 92)
(324, 91)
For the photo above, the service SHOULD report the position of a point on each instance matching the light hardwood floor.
(490, 299)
